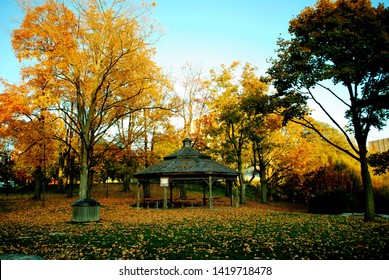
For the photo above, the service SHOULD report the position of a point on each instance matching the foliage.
(241, 122)
(6, 165)
(306, 164)
(255, 231)
(92, 64)
(380, 162)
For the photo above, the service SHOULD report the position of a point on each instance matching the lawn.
(253, 231)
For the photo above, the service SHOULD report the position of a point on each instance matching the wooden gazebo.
(187, 164)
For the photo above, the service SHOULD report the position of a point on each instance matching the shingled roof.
(187, 163)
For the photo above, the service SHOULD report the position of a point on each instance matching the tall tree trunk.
(91, 175)
(361, 137)
(241, 181)
(367, 188)
(262, 175)
(126, 181)
(71, 170)
(38, 176)
(84, 174)
(61, 172)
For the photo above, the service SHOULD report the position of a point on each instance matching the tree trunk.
(241, 181)
(71, 175)
(368, 189)
(38, 176)
(262, 175)
(243, 189)
(126, 182)
(61, 172)
(84, 174)
(91, 175)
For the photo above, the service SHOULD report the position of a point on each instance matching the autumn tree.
(193, 94)
(229, 121)
(301, 155)
(260, 107)
(136, 135)
(100, 58)
(240, 108)
(28, 124)
(345, 41)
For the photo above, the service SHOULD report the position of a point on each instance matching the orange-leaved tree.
(100, 60)
(30, 127)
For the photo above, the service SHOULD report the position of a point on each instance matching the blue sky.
(211, 33)
(206, 33)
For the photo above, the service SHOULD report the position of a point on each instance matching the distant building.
(379, 146)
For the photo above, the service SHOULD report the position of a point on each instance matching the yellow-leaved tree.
(98, 60)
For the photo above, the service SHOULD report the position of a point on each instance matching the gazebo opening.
(182, 169)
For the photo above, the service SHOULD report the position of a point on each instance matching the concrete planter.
(86, 210)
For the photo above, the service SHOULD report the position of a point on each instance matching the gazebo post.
(165, 197)
(237, 196)
(232, 194)
(138, 196)
(210, 193)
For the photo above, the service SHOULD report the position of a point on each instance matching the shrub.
(335, 202)
(381, 199)
(340, 201)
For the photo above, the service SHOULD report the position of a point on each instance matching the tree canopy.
(92, 63)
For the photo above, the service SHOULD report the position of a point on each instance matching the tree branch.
(309, 125)
(333, 121)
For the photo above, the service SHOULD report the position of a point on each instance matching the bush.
(335, 202)
(340, 201)
(381, 199)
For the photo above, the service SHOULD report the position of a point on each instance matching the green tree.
(347, 42)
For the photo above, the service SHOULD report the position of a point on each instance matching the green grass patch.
(224, 234)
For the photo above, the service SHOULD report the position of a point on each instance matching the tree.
(346, 42)
(193, 95)
(301, 154)
(241, 109)
(229, 121)
(100, 62)
(30, 126)
(260, 106)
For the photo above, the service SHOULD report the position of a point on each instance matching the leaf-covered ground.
(254, 231)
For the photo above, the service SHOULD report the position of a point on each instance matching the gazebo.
(185, 165)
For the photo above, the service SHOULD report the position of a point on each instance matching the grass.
(254, 231)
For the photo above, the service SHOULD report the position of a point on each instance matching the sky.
(205, 33)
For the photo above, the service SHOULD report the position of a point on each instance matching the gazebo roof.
(187, 163)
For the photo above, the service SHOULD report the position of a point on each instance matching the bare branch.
(333, 121)
(334, 94)
(309, 125)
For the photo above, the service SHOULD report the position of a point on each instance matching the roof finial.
(187, 143)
